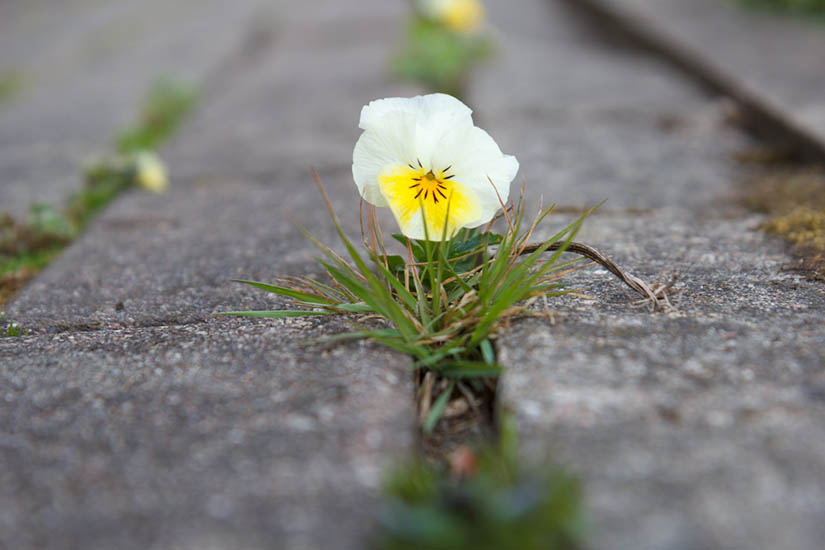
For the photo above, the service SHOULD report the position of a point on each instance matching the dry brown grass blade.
(657, 297)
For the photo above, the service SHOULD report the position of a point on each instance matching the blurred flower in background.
(150, 172)
(444, 42)
(464, 16)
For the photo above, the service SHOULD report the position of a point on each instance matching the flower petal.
(476, 160)
(384, 145)
(423, 106)
(401, 131)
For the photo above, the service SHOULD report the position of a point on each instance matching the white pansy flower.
(418, 155)
(462, 16)
(150, 172)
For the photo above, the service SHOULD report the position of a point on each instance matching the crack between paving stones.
(472, 413)
(470, 417)
(108, 326)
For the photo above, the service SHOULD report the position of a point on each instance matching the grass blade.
(438, 408)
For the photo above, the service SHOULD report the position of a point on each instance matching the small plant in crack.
(483, 498)
(457, 281)
(9, 328)
(444, 41)
(28, 245)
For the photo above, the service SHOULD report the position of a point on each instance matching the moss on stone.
(794, 200)
(803, 226)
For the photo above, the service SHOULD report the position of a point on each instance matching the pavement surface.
(698, 428)
(770, 63)
(132, 417)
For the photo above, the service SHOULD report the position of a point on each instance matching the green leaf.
(354, 308)
(487, 352)
(438, 408)
(288, 292)
(396, 264)
(468, 369)
(403, 293)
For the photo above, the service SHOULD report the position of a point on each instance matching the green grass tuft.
(9, 329)
(443, 302)
(438, 58)
(484, 500)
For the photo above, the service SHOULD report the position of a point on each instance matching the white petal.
(382, 146)
(439, 115)
(476, 159)
(399, 131)
(372, 113)
(498, 177)
(423, 106)
(435, 115)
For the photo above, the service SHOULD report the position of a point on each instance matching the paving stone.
(134, 418)
(226, 434)
(770, 62)
(699, 428)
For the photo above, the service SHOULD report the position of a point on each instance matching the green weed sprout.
(27, 246)
(9, 329)
(482, 500)
(11, 85)
(457, 281)
(444, 302)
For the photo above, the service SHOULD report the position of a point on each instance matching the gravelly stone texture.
(771, 61)
(699, 428)
(226, 434)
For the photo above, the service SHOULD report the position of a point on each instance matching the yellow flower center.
(415, 190)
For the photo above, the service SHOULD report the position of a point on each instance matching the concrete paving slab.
(699, 428)
(227, 434)
(136, 419)
(695, 429)
(768, 62)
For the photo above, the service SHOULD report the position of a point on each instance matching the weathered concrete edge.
(764, 118)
